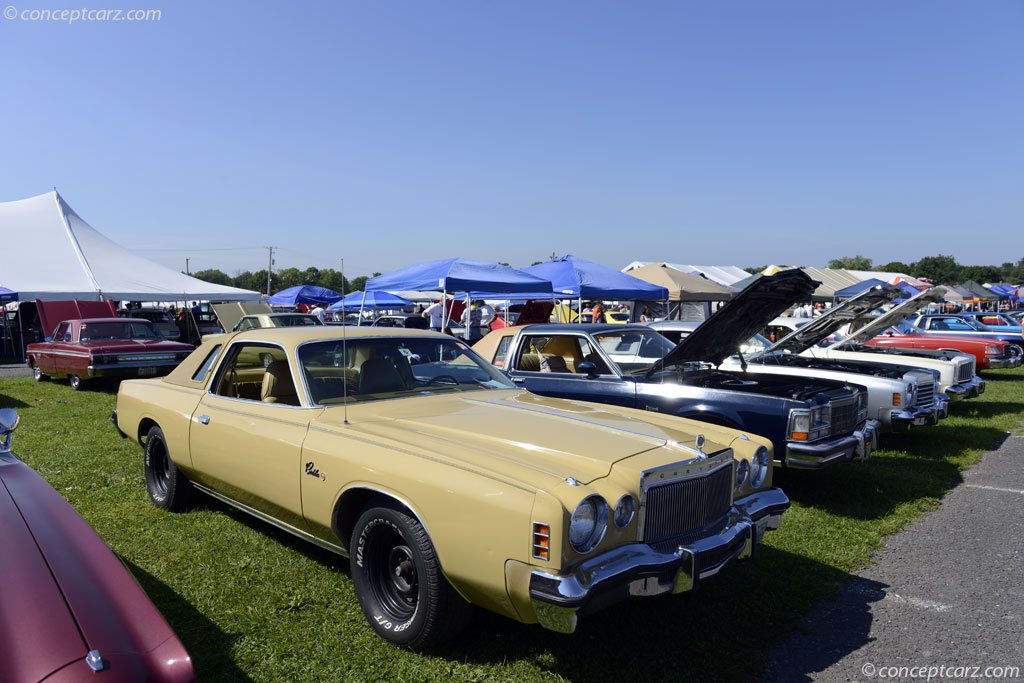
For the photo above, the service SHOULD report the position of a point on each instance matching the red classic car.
(70, 609)
(104, 347)
(989, 353)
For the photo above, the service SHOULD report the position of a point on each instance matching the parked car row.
(546, 472)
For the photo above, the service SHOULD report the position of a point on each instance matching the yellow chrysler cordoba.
(445, 484)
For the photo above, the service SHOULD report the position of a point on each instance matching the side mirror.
(8, 423)
(587, 367)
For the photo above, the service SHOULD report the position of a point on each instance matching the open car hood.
(230, 313)
(848, 311)
(721, 335)
(898, 314)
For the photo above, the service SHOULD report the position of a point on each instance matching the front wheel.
(168, 487)
(399, 583)
(75, 381)
(37, 374)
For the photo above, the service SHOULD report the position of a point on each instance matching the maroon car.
(988, 353)
(70, 611)
(104, 347)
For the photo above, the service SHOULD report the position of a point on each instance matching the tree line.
(942, 270)
(285, 278)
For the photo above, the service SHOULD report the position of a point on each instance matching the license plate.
(147, 371)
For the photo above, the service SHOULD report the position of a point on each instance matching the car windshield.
(128, 329)
(377, 368)
(908, 328)
(634, 351)
(973, 324)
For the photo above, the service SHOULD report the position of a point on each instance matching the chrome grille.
(684, 508)
(964, 370)
(925, 394)
(844, 415)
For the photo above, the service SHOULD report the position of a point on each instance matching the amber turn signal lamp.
(541, 541)
(800, 436)
(896, 398)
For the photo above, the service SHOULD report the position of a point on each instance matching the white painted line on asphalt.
(994, 488)
(929, 605)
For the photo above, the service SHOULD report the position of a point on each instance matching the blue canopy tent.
(854, 290)
(577, 278)
(462, 276)
(7, 295)
(1005, 290)
(384, 300)
(909, 291)
(305, 294)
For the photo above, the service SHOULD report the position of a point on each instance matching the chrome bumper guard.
(638, 570)
(915, 416)
(813, 456)
(942, 405)
(969, 389)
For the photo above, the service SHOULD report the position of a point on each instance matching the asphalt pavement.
(947, 591)
(15, 370)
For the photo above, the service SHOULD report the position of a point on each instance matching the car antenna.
(344, 348)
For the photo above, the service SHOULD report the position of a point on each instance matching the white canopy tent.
(723, 275)
(50, 253)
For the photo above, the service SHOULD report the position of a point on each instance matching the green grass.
(250, 602)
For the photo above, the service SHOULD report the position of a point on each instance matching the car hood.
(721, 335)
(34, 619)
(520, 436)
(897, 314)
(837, 316)
(230, 313)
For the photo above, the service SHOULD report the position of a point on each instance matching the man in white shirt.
(435, 313)
(319, 312)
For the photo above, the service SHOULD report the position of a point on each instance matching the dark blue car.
(811, 422)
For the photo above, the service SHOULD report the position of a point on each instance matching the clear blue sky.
(390, 131)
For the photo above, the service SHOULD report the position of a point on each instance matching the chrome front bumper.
(968, 389)
(814, 456)
(1006, 362)
(916, 416)
(637, 569)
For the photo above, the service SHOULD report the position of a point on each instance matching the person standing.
(319, 312)
(597, 314)
(435, 313)
(487, 315)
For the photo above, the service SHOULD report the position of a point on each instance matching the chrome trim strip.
(273, 521)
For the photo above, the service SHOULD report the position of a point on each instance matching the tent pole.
(359, 320)
(21, 335)
(469, 319)
(444, 309)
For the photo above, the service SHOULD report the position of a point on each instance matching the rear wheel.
(168, 487)
(399, 583)
(75, 381)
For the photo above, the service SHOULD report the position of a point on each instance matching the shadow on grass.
(206, 644)
(919, 465)
(11, 402)
(721, 630)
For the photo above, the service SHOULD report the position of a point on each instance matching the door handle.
(204, 419)
(518, 380)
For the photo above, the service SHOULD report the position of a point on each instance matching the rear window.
(204, 369)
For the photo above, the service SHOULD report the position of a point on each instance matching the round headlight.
(624, 511)
(759, 467)
(742, 470)
(588, 522)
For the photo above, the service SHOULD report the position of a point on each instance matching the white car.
(899, 398)
(957, 374)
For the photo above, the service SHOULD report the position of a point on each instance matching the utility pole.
(270, 267)
(186, 266)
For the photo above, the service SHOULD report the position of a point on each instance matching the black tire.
(75, 381)
(37, 374)
(168, 487)
(398, 581)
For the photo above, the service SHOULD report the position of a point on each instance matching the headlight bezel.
(627, 503)
(595, 534)
(760, 465)
(742, 472)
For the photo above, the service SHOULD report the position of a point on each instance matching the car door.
(48, 359)
(547, 364)
(247, 443)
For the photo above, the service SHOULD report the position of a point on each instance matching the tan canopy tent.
(682, 286)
